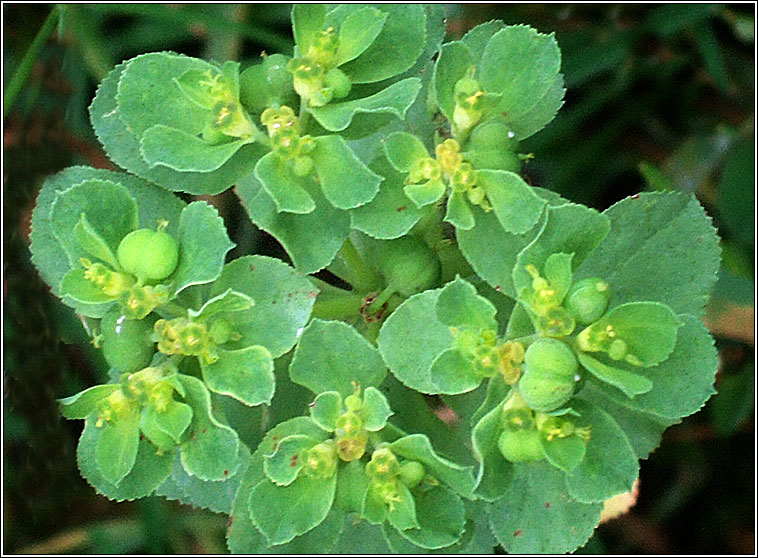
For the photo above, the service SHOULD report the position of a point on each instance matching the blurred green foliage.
(659, 97)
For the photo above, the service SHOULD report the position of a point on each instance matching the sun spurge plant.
(559, 341)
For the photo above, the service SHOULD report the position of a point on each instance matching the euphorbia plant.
(561, 340)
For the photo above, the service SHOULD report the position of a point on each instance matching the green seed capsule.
(409, 265)
(550, 356)
(126, 343)
(492, 134)
(545, 392)
(412, 473)
(148, 254)
(519, 446)
(587, 300)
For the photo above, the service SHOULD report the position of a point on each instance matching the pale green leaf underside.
(629, 382)
(441, 517)
(357, 32)
(403, 150)
(93, 243)
(245, 374)
(395, 100)
(184, 152)
(283, 185)
(80, 405)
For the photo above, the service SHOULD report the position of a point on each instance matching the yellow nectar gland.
(510, 357)
(449, 157)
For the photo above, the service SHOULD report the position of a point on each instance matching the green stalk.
(379, 301)
(27, 63)
(364, 278)
(337, 307)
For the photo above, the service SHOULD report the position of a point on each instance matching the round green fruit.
(518, 446)
(493, 134)
(548, 356)
(587, 300)
(412, 473)
(408, 265)
(545, 392)
(126, 343)
(148, 254)
(267, 84)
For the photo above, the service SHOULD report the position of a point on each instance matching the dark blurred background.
(660, 97)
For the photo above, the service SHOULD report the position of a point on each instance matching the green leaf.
(569, 229)
(189, 84)
(425, 193)
(242, 535)
(388, 215)
(452, 373)
(558, 273)
(541, 114)
(332, 356)
(630, 383)
(283, 466)
(513, 202)
(459, 212)
(357, 33)
(80, 405)
(245, 374)
(212, 450)
(203, 244)
(283, 301)
(307, 21)
(352, 483)
(216, 496)
(564, 453)
(375, 410)
(537, 516)
(109, 209)
(458, 304)
(283, 512)
(521, 64)
(361, 537)
(412, 338)
(441, 518)
(597, 478)
(174, 419)
(80, 289)
(311, 240)
(122, 142)
(417, 447)
(453, 63)
(683, 382)
(150, 469)
(147, 94)
(283, 185)
(495, 472)
(227, 302)
(150, 430)
(402, 513)
(345, 180)
(642, 229)
(476, 39)
(326, 409)
(403, 150)
(116, 449)
(648, 329)
(94, 244)
(394, 100)
(185, 152)
(396, 48)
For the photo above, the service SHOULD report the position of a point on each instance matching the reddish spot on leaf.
(635, 196)
(547, 504)
(402, 208)
(517, 533)
(312, 404)
(313, 294)
(229, 523)
(226, 472)
(252, 267)
(205, 430)
(498, 288)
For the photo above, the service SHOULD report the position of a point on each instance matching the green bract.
(471, 348)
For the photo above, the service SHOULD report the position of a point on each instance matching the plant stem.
(337, 307)
(379, 301)
(364, 278)
(27, 63)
